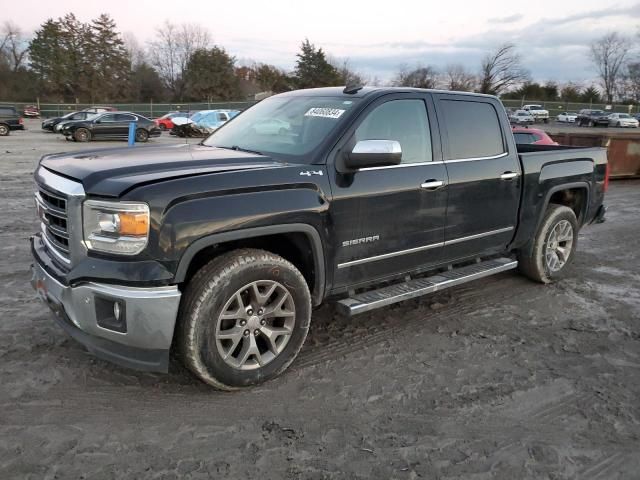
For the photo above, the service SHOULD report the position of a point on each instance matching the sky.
(376, 37)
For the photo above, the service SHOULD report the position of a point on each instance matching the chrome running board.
(366, 301)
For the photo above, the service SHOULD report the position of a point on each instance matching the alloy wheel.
(559, 246)
(255, 324)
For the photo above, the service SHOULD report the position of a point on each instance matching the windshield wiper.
(240, 149)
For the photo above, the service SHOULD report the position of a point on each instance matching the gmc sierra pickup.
(360, 196)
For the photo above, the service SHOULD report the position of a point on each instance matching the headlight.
(115, 227)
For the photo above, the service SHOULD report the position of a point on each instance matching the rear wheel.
(243, 319)
(163, 127)
(618, 124)
(4, 130)
(553, 245)
(82, 135)
(142, 135)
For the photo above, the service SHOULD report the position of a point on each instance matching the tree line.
(67, 60)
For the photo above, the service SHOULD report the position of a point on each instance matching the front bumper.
(149, 317)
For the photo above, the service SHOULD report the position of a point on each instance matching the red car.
(532, 136)
(165, 123)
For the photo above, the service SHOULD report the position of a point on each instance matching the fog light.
(111, 314)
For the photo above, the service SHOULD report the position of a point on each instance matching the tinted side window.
(107, 118)
(473, 129)
(404, 121)
(7, 111)
(121, 117)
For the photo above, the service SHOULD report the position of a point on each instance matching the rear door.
(484, 175)
(390, 220)
(121, 127)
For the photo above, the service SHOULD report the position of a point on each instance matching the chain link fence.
(154, 110)
(150, 110)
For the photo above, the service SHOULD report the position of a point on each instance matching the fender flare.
(547, 198)
(223, 237)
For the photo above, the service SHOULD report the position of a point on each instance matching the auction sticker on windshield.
(324, 112)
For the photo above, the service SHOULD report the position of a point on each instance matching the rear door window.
(123, 117)
(473, 129)
(7, 111)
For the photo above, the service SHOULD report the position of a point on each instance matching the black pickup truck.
(359, 196)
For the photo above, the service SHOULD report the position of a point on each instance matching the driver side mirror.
(98, 121)
(373, 153)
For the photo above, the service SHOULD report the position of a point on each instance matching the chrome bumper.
(150, 315)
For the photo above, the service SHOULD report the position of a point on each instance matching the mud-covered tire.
(536, 265)
(4, 130)
(82, 135)
(205, 302)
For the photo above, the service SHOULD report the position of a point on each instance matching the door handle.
(508, 175)
(432, 184)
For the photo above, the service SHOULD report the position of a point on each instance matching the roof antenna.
(352, 88)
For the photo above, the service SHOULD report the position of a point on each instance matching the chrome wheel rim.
(559, 245)
(82, 135)
(255, 325)
(3, 130)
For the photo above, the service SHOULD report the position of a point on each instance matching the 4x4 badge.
(308, 173)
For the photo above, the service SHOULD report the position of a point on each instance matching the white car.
(538, 112)
(521, 117)
(567, 117)
(271, 126)
(622, 120)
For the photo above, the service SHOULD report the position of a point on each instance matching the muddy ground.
(501, 378)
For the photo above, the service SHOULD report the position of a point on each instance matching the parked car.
(272, 126)
(51, 123)
(221, 249)
(9, 120)
(110, 125)
(622, 120)
(202, 123)
(532, 136)
(538, 112)
(165, 122)
(31, 111)
(100, 109)
(567, 117)
(522, 117)
(592, 118)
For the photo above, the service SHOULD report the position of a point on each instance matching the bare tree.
(348, 76)
(501, 70)
(171, 50)
(457, 78)
(419, 77)
(608, 55)
(13, 46)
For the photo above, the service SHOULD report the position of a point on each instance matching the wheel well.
(574, 198)
(294, 247)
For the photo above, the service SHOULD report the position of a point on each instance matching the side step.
(363, 302)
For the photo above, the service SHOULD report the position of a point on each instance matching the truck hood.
(111, 172)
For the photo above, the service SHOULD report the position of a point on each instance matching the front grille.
(52, 210)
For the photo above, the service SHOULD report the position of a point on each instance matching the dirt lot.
(501, 378)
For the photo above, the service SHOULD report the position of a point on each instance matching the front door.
(390, 220)
(484, 176)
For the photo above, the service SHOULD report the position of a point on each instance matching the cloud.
(509, 19)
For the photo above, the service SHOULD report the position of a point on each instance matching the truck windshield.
(290, 126)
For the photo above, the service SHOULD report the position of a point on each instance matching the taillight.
(606, 178)
(21, 121)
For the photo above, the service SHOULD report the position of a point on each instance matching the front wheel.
(554, 245)
(243, 319)
(82, 135)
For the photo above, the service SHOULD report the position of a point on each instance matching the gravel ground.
(501, 378)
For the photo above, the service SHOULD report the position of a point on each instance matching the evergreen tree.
(210, 74)
(47, 54)
(312, 68)
(108, 59)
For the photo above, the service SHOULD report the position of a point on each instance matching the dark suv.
(9, 120)
(592, 118)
